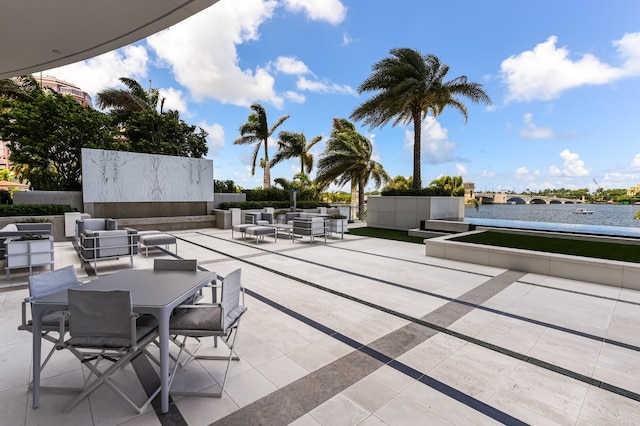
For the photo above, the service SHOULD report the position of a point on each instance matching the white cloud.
(546, 71)
(331, 11)
(572, 165)
(531, 131)
(174, 100)
(523, 173)
(436, 146)
(201, 53)
(555, 171)
(321, 87)
(97, 74)
(296, 97)
(629, 48)
(487, 173)
(346, 39)
(288, 65)
(215, 137)
(461, 169)
(635, 163)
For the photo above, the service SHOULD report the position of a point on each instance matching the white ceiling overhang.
(37, 35)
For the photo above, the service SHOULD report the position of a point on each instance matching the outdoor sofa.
(21, 229)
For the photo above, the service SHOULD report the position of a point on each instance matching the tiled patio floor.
(368, 332)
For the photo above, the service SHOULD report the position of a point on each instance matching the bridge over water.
(502, 198)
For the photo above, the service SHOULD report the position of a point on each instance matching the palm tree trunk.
(354, 199)
(417, 149)
(267, 175)
(266, 184)
(361, 199)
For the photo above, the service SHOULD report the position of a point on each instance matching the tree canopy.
(46, 130)
(348, 158)
(46, 135)
(256, 131)
(408, 87)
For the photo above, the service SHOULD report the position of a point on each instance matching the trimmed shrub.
(259, 205)
(34, 209)
(424, 192)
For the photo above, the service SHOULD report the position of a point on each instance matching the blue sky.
(564, 78)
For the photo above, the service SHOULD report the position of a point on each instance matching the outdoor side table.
(28, 253)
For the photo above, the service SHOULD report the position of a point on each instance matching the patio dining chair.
(103, 327)
(212, 320)
(181, 265)
(53, 323)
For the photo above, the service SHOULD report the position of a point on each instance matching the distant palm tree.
(19, 88)
(450, 185)
(294, 145)
(124, 102)
(257, 131)
(347, 158)
(410, 86)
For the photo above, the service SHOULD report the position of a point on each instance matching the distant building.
(469, 190)
(66, 88)
(633, 191)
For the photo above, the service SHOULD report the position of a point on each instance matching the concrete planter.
(404, 213)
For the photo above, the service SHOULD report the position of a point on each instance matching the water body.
(607, 219)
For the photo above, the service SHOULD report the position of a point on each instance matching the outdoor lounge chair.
(212, 319)
(103, 327)
(100, 239)
(53, 323)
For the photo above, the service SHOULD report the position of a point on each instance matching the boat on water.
(582, 210)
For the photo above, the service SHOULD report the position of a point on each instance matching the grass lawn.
(576, 247)
(387, 234)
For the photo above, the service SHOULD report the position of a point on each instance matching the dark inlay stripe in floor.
(298, 398)
(466, 302)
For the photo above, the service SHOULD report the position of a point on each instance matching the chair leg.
(231, 357)
(104, 378)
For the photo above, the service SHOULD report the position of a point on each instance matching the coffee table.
(286, 228)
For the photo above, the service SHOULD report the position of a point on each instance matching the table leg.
(163, 335)
(37, 353)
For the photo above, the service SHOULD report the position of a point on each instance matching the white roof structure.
(38, 35)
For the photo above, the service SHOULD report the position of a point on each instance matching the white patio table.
(152, 292)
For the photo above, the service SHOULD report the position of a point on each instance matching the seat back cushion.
(94, 224)
(42, 285)
(113, 243)
(100, 318)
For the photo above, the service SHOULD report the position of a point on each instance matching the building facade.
(633, 191)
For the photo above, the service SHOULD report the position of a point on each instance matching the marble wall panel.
(116, 176)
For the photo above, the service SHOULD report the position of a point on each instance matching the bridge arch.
(516, 200)
(537, 201)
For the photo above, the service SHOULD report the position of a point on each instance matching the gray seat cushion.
(157, 239)
(260, 230)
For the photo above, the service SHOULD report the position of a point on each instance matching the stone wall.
(404, 213)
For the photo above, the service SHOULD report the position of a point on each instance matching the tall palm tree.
(134, 98)
(410, 85)
(294, 145)
(347, 157)
(257, 131)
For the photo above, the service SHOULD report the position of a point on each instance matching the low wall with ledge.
(599, 271)
(404, 213)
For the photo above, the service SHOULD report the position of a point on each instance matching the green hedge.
(253, 205)
(34, 209)
(424, 192)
